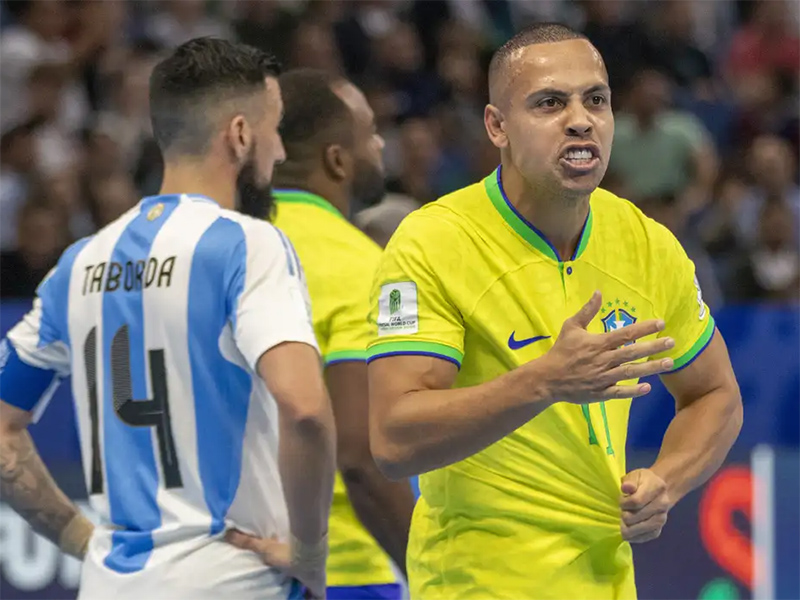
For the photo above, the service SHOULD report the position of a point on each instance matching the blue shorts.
(388, 591)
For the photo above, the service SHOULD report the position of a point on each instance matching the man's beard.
(254, 199)
(369, 186)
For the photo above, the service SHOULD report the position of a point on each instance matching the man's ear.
(337, 161)
(239, 137)
(494, 122)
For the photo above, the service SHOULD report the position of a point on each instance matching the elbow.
(394, 461)
(736, 412)
(310, 420)
(359, 472)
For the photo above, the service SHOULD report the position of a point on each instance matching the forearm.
(430, 429)
(697, 441)
(384, 507)
(30, 490)
(307, 457)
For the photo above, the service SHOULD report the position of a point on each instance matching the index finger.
(631, 333)
(639, 499)
(242, 540)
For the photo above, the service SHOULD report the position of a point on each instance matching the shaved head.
(504, 57)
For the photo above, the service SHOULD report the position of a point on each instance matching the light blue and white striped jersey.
(160, 319)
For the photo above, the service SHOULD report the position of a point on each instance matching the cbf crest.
(617, 315)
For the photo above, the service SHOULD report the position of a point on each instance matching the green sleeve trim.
(343, 355)
(387, 348)
(697, 347)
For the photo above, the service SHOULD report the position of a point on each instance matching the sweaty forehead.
(568, 66)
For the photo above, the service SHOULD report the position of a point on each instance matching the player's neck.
(314, 183)
(199, 178)
(560, 218)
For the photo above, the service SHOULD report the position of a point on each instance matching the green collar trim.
(303, 197)
(524, 228)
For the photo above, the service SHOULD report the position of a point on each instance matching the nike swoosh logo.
(517, 344)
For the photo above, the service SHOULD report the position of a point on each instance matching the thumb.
(584, 316)
(630, 483)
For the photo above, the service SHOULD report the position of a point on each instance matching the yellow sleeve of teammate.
(411, 312)
(687, 317)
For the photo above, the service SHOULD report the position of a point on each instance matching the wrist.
(315, 552)
(538, 384)
(74, 538)
(672, 480)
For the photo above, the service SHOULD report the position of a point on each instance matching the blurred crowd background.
(705, 96)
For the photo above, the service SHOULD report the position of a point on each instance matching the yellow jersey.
(339, 262)
(469, 280)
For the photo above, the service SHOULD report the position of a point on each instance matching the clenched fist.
(645, 503)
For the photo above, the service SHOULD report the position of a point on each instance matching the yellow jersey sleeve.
(411, 312)
(686, 316)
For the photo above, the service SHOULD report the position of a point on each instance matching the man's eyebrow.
(561, 94)
(599, 88)
(546, 92)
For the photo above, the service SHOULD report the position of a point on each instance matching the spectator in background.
(674, 51)
(55, 147)
(17, 170)
(717, 230)
(103, 155)
(767, 44)
(62, 192)
(379, 222)
(772, 169)
(39, 37)
(182, 20)
(362, 24)
(266, 25)
(661, 152)
(111, 196)
(42, 236)
(459, 68)
(772, 268)
(126, 119)
(400, 67)
(421, 157)
(621, 42)
(313, 46)
(460, 115)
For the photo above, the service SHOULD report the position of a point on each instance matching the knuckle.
(627, 371)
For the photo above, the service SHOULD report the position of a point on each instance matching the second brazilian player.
(333, 157)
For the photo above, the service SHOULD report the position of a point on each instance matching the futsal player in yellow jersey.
(512, 320)
(333, 155)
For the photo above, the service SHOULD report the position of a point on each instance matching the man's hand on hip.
(304, 562)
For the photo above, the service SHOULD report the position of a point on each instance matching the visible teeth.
(579, 155)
